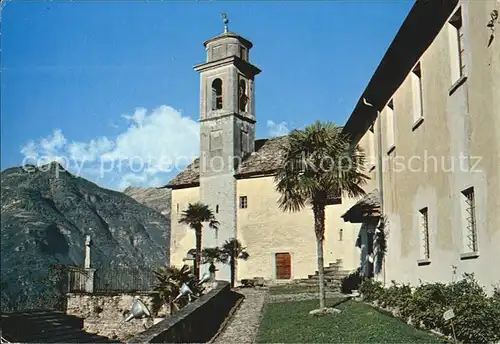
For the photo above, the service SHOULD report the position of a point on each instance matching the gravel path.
(243, 326)
(300, 296)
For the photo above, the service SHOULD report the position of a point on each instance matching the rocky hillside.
(46, 213)
(158, 199)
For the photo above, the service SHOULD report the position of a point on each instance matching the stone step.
(337, 263)
(328, 277)
(329, 286)
(315, 281)
(337, 274)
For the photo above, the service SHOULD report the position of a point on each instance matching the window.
(390, 126)
(341, 233)
(456, 35)
(243, 53)
(243, 202)
(217, 209)
(424, 230)
(215, 140)
(416, 88)
(177, 208)
(371, 152)
(243, 98)
(470, 220)
(243, 142)
(217, 94)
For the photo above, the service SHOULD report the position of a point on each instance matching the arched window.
(341, 234)
(243, 98)
(217, 94)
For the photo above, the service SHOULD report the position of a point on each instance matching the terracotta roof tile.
(190, 176)
(265, 160)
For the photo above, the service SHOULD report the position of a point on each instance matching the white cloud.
(47, 149)
(277, 129)
(91, 151)
(145, 153)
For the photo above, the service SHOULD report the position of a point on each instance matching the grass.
(294, 289)
(290, 322)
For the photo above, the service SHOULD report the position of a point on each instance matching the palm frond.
(318, 163)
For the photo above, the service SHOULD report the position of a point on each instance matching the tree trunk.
(319, 228)
(232, 265)
(197, 260)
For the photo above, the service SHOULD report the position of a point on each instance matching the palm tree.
(194, 216)
(232, 250)
(212, 255)
(319, 164)
(169, 280)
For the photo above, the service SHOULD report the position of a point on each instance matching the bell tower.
(227, 129)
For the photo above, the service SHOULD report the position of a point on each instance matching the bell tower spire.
(225, 20)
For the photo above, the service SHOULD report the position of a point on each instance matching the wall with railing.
(111, 279)
(198, 322)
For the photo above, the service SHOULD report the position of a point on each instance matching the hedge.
(477, 315)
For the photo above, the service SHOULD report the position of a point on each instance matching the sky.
(108, 89)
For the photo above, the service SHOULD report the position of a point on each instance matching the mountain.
(158, 199)
(46, 212)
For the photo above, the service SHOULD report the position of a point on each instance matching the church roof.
(264, 161)
(368, 206)
(228, 34)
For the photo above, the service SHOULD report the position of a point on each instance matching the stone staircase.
(45, 326)
(333, 276)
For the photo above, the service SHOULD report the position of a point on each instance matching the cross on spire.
(225, 21)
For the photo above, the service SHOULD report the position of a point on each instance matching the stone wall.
(105, 314)
(198, 322)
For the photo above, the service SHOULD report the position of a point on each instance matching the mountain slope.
(46, 213)
(158, 199)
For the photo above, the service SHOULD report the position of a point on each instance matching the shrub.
(371, 290)
(351, 282)
(496, 292)
(477, 316)
(427, 305)
(398, 297)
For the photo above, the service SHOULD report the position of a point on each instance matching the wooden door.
(283, 266)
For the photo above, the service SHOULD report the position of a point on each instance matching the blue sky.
(99, 84)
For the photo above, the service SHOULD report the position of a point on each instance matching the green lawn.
(290, 322)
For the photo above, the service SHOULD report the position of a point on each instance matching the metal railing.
(110, 278)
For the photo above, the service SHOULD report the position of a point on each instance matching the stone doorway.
(283, 265)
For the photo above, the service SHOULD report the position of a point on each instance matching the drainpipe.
(380, 175)
(380, 181)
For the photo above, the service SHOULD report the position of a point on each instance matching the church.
(432, 101)
(234, 176)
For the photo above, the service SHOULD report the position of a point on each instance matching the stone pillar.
(89, 280)
(89, 272)
(88, 244)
